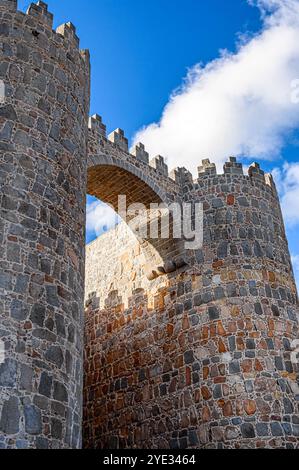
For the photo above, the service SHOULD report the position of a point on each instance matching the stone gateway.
(177, 348)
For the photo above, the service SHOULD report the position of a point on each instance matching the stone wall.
(183, 348)
(43, 139)
(203, 357)
(113, 279)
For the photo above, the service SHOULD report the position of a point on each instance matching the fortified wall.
(183, 348)
(201, 357)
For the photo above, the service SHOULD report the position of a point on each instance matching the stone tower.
(43, 138)
(183, 348)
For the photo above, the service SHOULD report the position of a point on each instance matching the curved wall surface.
(43, 138)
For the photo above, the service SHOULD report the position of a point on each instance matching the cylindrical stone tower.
(248, 307)
(203, 357)
(43, 137)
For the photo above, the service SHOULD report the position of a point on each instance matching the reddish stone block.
(206, 414)
(221, 346)
(250, 407)
(240, 344)
(217, 264)
(169, 329)
(246, 365)
(227, 409)
(205, 372)
(230, 200)
(220, 329)
(206, 394)
(258, 366)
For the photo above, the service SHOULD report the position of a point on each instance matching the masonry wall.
(116, 269)
(203, 359)
(43, 137)
(182, 349)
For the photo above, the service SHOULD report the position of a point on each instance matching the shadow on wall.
(115, 340)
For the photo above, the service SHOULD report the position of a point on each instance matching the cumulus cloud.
(238, 104)
(100, 218)
(287, 180)
(295, 261)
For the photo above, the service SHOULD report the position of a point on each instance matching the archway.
(114, 173)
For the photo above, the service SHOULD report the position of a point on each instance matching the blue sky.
(141, 52)
(141, 49)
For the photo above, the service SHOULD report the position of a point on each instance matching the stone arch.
(108, 177)
(107, 173)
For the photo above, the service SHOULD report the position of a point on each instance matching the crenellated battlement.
(40, 12)
(59, 67)
(96, 125)
(118, 138)
(207, 168)
(159, 164)
(68, 31)
(181, 176)
(40, 19)
(140, 153)
(232, 167)
(10, 5)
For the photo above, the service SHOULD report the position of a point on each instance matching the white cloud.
(295, 261)
(100, 218)
(287, 181)
(238, 104)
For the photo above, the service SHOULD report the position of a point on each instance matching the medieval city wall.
(183, 348)
(203, 359)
